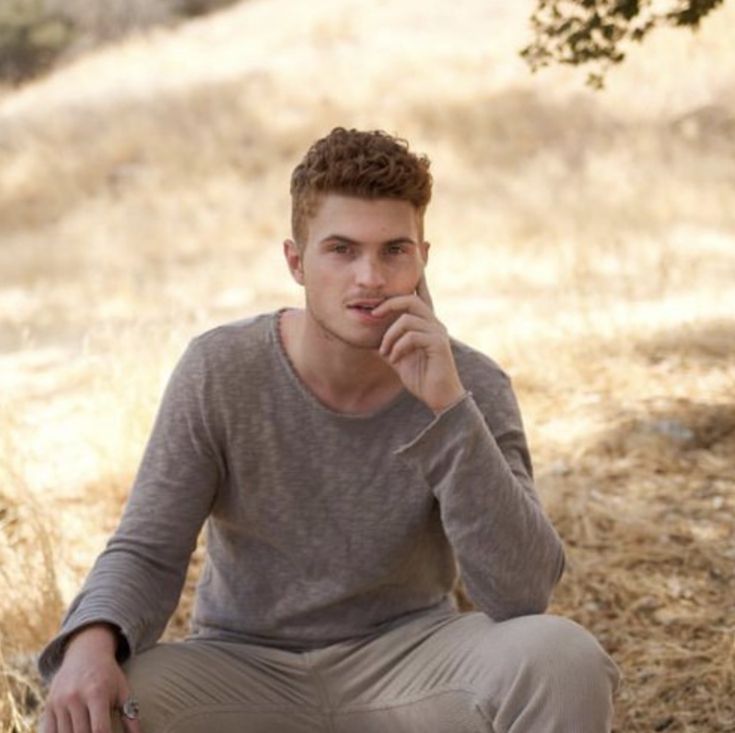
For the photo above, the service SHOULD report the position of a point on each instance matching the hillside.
(586, 240)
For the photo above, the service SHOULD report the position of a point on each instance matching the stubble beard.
(332, 335)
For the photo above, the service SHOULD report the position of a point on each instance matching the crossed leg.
(444, 673)
(466, 673)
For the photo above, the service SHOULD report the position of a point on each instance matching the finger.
(422, 290)
(408, 344)
(100, 716)
(133, 726)
(48, 722)
(403, 303)
(403, 324)
(79, 718)
(63, 722)
(125, 693)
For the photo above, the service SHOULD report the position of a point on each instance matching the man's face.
(358, 253)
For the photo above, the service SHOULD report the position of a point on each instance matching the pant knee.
(554, 676)
(560, 655)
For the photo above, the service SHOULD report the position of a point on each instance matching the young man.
(347, 458)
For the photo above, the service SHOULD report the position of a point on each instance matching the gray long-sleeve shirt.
(321, 526)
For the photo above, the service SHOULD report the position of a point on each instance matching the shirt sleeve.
(477, 465)
(136, 582)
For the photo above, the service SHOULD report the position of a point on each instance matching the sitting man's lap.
(444, 673)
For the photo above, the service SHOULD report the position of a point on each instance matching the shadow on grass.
(708, 342)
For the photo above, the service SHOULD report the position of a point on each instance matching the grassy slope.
(585, 240)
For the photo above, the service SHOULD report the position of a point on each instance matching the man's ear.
(425, 252)
(294, 259)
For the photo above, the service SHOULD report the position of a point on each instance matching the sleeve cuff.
(452, 429)
(52, 655)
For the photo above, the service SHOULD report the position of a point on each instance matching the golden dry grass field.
(584, 239)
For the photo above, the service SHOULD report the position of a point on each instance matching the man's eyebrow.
(349, 240)
(401, 240)
(338, 238)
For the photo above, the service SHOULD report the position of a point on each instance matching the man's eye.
(395, 249)
(341, 248)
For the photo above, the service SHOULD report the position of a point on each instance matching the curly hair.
(365, 164)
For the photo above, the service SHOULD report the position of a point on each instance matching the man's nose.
(369, 273)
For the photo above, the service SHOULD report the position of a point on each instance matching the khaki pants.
(439, 673)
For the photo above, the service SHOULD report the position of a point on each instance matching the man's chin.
(366, 341)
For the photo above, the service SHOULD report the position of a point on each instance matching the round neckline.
(308, 394)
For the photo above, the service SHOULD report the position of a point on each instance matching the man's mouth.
(365, 306)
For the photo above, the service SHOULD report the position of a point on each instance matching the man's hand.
(87, 687)
(417, 346)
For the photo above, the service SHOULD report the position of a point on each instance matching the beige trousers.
(439, 673)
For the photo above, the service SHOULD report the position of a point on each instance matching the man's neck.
(344, 378)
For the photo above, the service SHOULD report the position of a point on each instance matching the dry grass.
(587, 241)
(37, 36)
(645, 505)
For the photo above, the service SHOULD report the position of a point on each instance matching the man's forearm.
(509, 554)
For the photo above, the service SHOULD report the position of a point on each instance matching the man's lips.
(364, 309)
(366, 304)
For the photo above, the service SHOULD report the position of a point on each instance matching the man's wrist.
(450, 400)
(102, 636)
